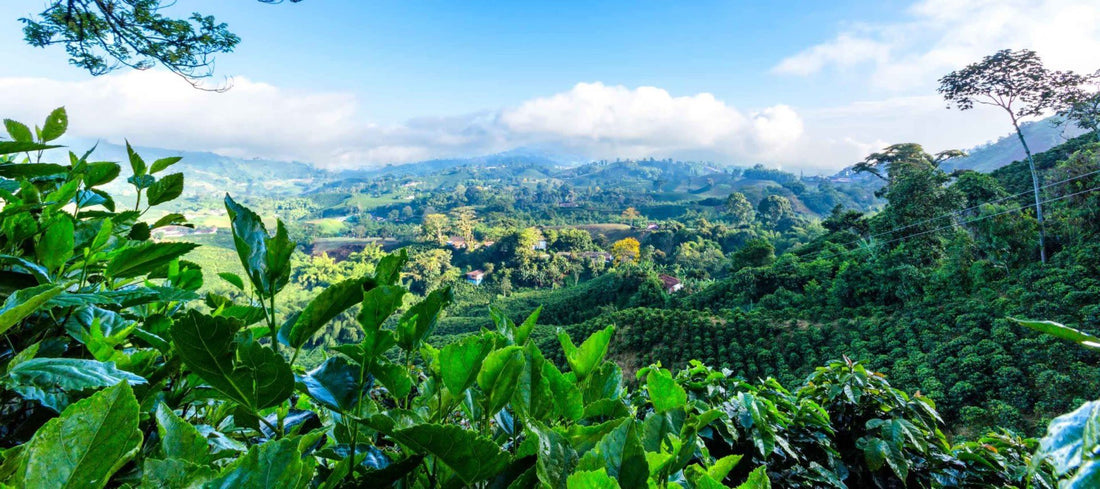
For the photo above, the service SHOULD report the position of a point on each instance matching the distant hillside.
(1041, 136)
(208, 172)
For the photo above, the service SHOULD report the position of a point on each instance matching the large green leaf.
(499, 377)
(335, 384)
(664, 392)
(332, 301)
(277, 463)
(388, 271)
(621, 454)
(592, 479)
(163, 163)
(48, 380)
(533, 397)
(56, 124)
(523, 331)
(1062, 331)
(23, 302)
(137, 165)
(758, 479)
(253, 375)
(146, 257)
(89, 442)
(265, 258)
(56, 245)
(100, 173)
(18, 131)
(178, 438)
(174, 473)
(10, 147)
(567, 397)
(420, 320)
(1065, 444)
(473, 457)
(460, 362)
(394, 377)
(379, 303)
(556, 457)
(166, 189)
(586, 357)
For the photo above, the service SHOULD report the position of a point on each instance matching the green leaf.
(460, 362)
(723, 466)
(26, 171)
(171, 219)
(56, 245)
(523, 331)
(48, 379)
(174, 473)
(167, 188)
(420, 320)
(163, 163)
(1061, 331)
(556, 457)
(56, 124)
(11, 147)
(379, 303)
(621, 454)
(335, 384)
(585, 358)
(567, 397)
(145, 258)
(137, 165)
(178, 438)
(592, 479)
(499, 377)
(664, 392)
(88, 443)
(700, 479)
(265, 258)
(332, 301)
(254, 376)
(388, 271)
(394, 377)
(100, 173)
(233, 279)
(1064, 444)
(277, 463)
(18, 131)
(758, 479)
(23, 302)
(473, 457)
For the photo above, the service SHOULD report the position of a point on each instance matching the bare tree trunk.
(1035, 185)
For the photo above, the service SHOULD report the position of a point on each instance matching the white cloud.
(609, 121)
(941, 35)
(256, 119)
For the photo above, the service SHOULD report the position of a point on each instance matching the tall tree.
(631, 214)
(739, 208)
(1017, 82)
(103, 35)
(1080, 103)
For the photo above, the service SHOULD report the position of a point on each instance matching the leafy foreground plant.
(116, 372)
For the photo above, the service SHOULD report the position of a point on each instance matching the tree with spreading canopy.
(103, 35)
(1018, 83)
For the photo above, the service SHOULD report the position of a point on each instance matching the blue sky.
(806, 85)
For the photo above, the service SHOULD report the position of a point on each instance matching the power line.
(959, 212)
(970, 221)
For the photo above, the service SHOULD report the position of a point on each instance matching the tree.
(1017, 82)
(626, 250)
(102, 35)
(463, 220)
(1080, 103)
(739, 208)
(433, 228)
(774, 208)
(631, 214)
